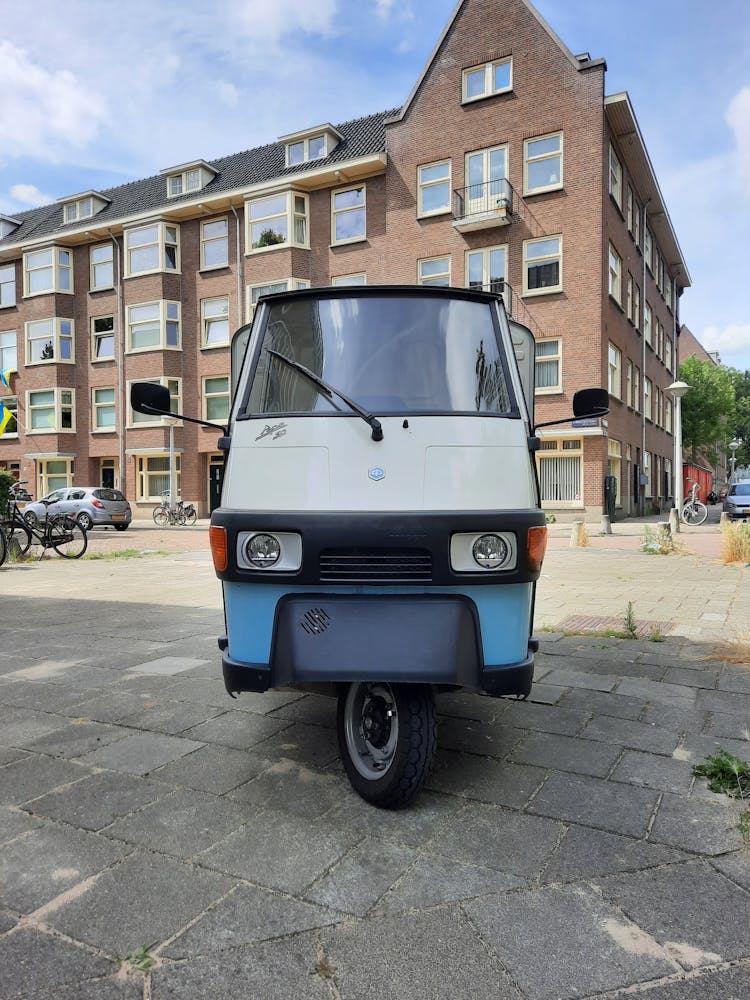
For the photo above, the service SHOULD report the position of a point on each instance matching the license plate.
(118, 517)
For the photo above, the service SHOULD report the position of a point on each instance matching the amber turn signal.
(536, 544)
(219, 548)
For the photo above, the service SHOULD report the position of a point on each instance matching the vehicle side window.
(57, 495)
(76, 495)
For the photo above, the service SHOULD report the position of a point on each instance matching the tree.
(709, 410)
(742, 421)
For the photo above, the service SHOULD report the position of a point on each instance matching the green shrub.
(659, 542)
(6, 481)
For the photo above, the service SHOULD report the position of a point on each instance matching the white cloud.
(738, 119)
(383, 7)
(227, 93)
(27, 194)
(267, 21)
(734, 338)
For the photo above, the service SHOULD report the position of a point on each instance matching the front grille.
(375, 566)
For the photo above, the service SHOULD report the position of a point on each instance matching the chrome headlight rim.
(256, 557)
(489, 560)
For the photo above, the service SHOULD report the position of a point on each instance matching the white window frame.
(211, 240)
(337, 213)
(615, 177)
(490, 283)
(545, 258)
(615, 275)
(667, 414)
(43, 476)
(636, 305)
(186, 180)
(290, 215)
(98, 406)
(305, 144)
(636, 389)
(206, 396)
(423, 185)
(57, 406)
(9, 350)
(76, 210)
(668, 353)
(568, 456)
(108, 263)
(648, 403)
(175, 403)
(614, 370)
(56, 335)
(163, 318)
(539, 158)
(344, 280)
(7, 285)
(648, 249)
(60, 265)
(142, 475)
(489, 89)
(629, 384)
(214, 310)
(162, 241)
(97, 335)
(441, 275)
(648, 322)
(289, 284)
(11, 404)
(545, 390)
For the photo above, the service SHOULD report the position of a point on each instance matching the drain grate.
(604, 623)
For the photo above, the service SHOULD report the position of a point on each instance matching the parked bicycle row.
(61, 532)
(181, 513)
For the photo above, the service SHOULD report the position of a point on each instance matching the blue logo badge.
(376, 473)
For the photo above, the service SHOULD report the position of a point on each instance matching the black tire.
(387, 737)
(31, 519)
(161, 517)
(121, 527)
(68, 539)
(85, 521)
(3, 547)
(190, 516)
(19, 539)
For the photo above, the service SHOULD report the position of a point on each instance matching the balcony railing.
(481, 206)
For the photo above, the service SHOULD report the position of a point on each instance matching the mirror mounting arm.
(145, 408)
(566, 420)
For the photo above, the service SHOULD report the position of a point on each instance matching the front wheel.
(190, 516)
(86, 521)
(67, 538)
(695, 513)
(387, 737)
(161, 517)
(19, 539)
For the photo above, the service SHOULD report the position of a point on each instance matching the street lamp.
(678, 390)
(733, 446)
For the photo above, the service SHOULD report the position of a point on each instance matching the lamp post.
(678, 390)
(733, 446)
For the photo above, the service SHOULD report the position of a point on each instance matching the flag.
(5, 374)
(5, 417)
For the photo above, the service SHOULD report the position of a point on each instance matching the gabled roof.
(360, 137)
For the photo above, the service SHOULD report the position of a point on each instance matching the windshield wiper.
(328, 390)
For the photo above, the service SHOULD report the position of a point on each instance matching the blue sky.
(96, 94)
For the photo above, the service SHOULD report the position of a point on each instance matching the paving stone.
(566, 753)
(239, 730)
(649, 770)
(78, 738)
(201, 691)
(291, 788)
(736, 867)
(98, 800)
(701, 677)
(141, 753)
(435, 880)
(545, 718)
(40, 696)
(265, 702)
(416, 956)
(146, 899)
(311, 745)
(496, 838)
(215, 769)
(36, 868)
(471, 705)
(313, 709)
(112, 988)
(33, 776)
(14, 822)
(181, 824)
(736, 727)
(21, 726)
(723, 701)
(10, 755)
(675, 718)
(414, 826)
(33, 960)
(603, 703)
(8, 921)
(277, 851)
(170, 717)
(658, 691)
(581, 679)
(491, 739)
(591, 802)
(735, 681)
(697, 748)
(166, 666)
(361, 877)
(546, 694)
(705, 827)
(584, 853)
(593, 946)
(727, 984)
(635, 735)
(698, 916)
(473, 777)
(112, 706)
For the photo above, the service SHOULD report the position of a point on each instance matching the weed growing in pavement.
(659, 542)
(631, 626)
(735, 650)
(126, 554)
(735, 542)
(140, 959)
(728, 774)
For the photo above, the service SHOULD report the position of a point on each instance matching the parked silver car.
(737, 502)
(90, 505)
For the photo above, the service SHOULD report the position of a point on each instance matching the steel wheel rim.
(371, 728)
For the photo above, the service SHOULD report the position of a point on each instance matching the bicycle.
(13, 526)
(61, 533)
(182, 513)
(693, 511)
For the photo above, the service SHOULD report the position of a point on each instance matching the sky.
(96, 93)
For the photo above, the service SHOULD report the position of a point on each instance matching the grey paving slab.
(722, 724)
(247, 916)
(38, 867)
(9, 755)
(675, 718)
(32, 960)
(214, 769)
(497, 838)
(567, 677)
(545, 718)
(491, 739)
(30, 777)
(356, 882)
(21, 726)
(567, 753)
(290, 787)
(697, 748)
(726, 984)
(201, 691)
(315, 710)
(113, 987)
(98, 799)
(110, 706)
(697, 915)
(14, 822)
(723, 701)
(658, 691)
(591, 802)
(421, 955)
(275, 850)
(706, 827)
(736, 867)
(595, 947)
(602, 703)
(141, 753)
(166, 666)
(181, 824)
(432, 881)
(648, 770)
(8, 921)
(634, 735)
(41, 696)
(77, 738)
(239, 730)
(731, 680)
(584, 852)
(471, 705)
(699, 677)
(414, 826)
(171, 717)
(143, 901)
(312, 745)
(484, 779)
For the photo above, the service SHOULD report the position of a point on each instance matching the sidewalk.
(562, 849)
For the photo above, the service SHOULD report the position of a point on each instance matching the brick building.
(507, 168)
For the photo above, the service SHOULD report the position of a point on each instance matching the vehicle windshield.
(740, 490)
(390, 354)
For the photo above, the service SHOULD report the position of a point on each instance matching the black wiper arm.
(328, 390)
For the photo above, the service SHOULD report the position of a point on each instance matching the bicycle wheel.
(3, 547)
(161, 517)
(67, 538)
(181, 517)
(18, 538)
(190, 516)
(696, 513)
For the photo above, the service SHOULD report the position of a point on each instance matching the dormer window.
(188, 177)
(82, 206)
(311, 145)
(7, 225)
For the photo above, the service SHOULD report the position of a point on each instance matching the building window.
(152, 479)
(629, 383)
(614, 383)
(486, 171)
(215, 322)
(102, 267)
(50, 410)
(10, 405)
(184, 183)
(629, 298)
(647, 395)
(7, 285)
(8, 351)
(49, 340)
(615, 178)
(630, 207)
(543, 163)
(75, 210)
(216, 398)
(154, 326)
(349, 215)
(636, 389)
(560, 473)
(102, 338)
(488, 79)
(636, 305)
(487, 269)
(304, 150)
(542, 265)
(175, 403)
(214, 243)
(636, 227)
(434, 188)
(49, 270)
(615, 275)
(648, 248)
(668, 353)
(548, 377)
(647, 323)
(152, 248)
(54, 474)
(254, 292)
(614, 466)
(104, 409)
(667, 414)
(349, 279)
(434, 271)
(280, 220)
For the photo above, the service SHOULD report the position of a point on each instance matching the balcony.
(483, 206)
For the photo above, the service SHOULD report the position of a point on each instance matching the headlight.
(490, 551)
(262, 551)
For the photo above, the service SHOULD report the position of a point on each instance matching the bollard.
(666, 527)
(674, 521)
(577, 535)
(606, 528)
(724, 519)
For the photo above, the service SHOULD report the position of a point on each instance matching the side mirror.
(590, 403)
(150, 398)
